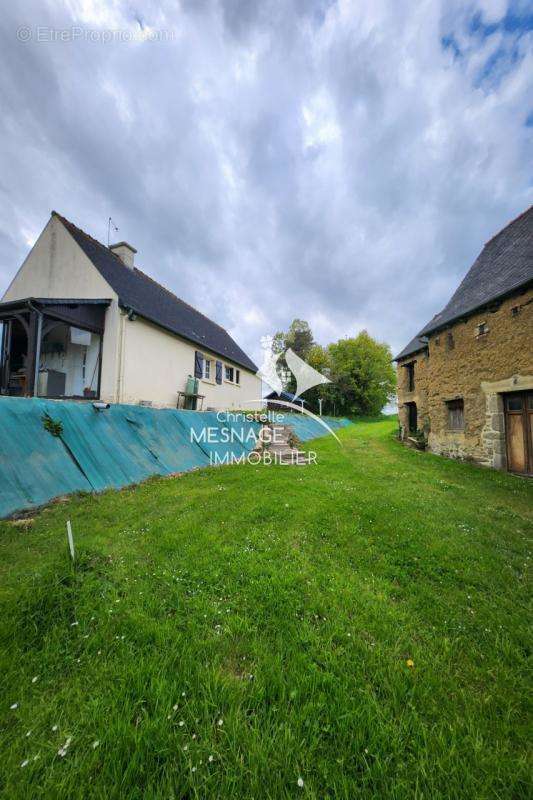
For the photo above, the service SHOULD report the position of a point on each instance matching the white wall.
(156, 365)
(57, 267)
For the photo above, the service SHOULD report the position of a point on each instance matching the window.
(450, 344)
(207, 369)
(237, 376)
(229, 373)
(482, 328)
(410, 371)
(514, 403)
(456, 414)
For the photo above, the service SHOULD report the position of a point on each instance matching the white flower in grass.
(193, 769)
(28, 734)
(220, 723)
(175, 707)
(185, 747)
(210, 759)
(55, 727)
(64, 749)
(300, 782)
(181, 723)
(13, 706)
(25, 762)
(35, 679)
(72, 624)
(95, 744)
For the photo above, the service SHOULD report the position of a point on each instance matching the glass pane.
(530, 402)
(514, 403)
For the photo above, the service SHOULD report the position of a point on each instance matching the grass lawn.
(361, 625)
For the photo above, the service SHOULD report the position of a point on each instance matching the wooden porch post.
(4, 356)
(31, 355)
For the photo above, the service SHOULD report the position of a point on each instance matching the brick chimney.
(125, 252)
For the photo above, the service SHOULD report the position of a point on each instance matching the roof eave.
(401, 356)
(518, 289)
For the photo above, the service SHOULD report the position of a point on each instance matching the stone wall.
(477, 367)
(418, 395)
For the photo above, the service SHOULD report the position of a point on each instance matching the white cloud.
(340, 162)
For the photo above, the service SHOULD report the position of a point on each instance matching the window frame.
(235, 372)
(455, 410)
(208, 366)
(410, 371)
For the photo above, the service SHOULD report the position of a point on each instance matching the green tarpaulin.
(115, 447)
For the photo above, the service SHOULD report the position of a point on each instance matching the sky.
(338, 161)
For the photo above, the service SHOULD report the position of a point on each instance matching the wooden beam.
(30, 355)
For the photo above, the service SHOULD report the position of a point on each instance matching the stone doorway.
(493, 438)
(519, 432)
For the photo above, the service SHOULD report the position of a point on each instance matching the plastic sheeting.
(222, 436)
(117, 446)
(125, 444)
(307, 428)
(34, 465)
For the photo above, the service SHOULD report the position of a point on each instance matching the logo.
(278, 379)
(268, 436)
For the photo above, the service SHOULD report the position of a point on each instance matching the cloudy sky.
(339, 161)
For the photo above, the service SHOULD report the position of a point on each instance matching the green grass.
(284, 602)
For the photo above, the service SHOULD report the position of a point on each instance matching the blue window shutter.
(219, 371)
(198, 364)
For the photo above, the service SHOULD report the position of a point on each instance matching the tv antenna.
(109, 224)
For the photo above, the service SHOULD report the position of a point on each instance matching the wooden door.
(519, 432)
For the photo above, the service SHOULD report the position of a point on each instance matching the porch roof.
(79, 312)
(52, 301)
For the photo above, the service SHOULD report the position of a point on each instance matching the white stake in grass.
(70, 541)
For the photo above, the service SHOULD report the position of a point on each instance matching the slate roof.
(415, 346)
(150, 300)
(504, 266)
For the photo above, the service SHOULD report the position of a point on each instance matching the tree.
(363, 376)
(360, 369)
(318, 358)
(299, 338)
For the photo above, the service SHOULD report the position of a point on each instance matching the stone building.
(465, 382)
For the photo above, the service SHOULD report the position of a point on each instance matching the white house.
(80, 320)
